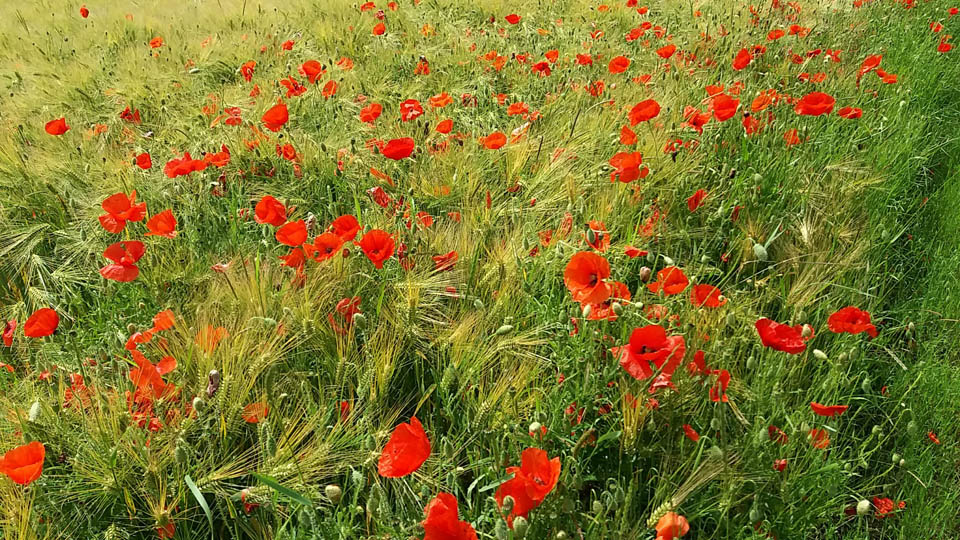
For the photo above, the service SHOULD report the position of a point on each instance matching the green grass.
(863, 212)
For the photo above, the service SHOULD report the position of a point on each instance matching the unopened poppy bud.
(198, 404)
(651, 257)
(912, 327)
(213, 383)
(131, 328)
(478, 303)
(505, 329)
(669, 261)
(34, 411)
(360, 320)
(820, 355)
(902, 462)
(842, 358)
(507, 505)
(896, 458)
(755, 514)
(535, 427)
(806, 332)
(715, 423)
(561, 535)
(180, 452)
(757, 177)
(865, 385)
(760, 252)
(333, 492)
(716, 452)
(704, 259)
(520, 527)
(876, 430)
(912, 428)
(500, 530)
(591, 236)
(617, 309)
(587, 310)
(751, 363)
(863, 508)
(854, 354)
(597, 507)
(645, 274)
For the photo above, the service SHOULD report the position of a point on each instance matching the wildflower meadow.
(451, 270)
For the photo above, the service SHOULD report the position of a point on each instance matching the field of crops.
(451, 270)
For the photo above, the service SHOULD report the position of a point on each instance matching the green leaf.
(203, 502)
(283, 490)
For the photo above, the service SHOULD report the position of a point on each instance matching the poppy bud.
(213, 383)
(645, 273)
(854, 354)
(520, 527)
(198, 404)
(500, 530)
(617, 308)
(842, 358)
(478, 304)
(911, 328)
(505, 329)
(896, 458)
(760, 252)
(731, 319)
(333, 492)
(567, 506)
(668, 261)
(807, 332)
(587, 310)
(373, 501)
(507, 506)
(651, 258)
(34, 411)
(911, 428)
(876, 430)
(131, 328)
(180, 452)
(716, 452)
(535, 427)
(902, 462)
(755, 514)
(704, 259)
(591, 236)
(865, 385)
(448, 450)
(715, 423)
(597, 507)
(820, 355)
(863, 508)
(561, 535)
(360, 320)
(751, 363)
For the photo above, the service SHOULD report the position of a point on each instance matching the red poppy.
(377, 245)
(851, 320)
(370, 113)
(156, 42)
(57, 127)
(443, 520)
(697, 200)
(933, 437)
(163, 224)
(707, 295)
(124, 256)
(532, 481)
(724, 107)
(406, 450)
(445, 261)
(627, 136)
(513, 18)
(163, 320)
(780, 465)
(782, 337)
(598, 231)
(398, 149)
(541, 68)
(634, 252)
(43, 322)
(494, 141)
(255, 412)
(777, 435)
(742, 59)
(184, 165)
(23, 464)
(120, 208)
(8, 330)
(275, 117)
(84, 12)
(445, 126)
(346, 227)
(292, 234)
(410, 109)
(270, 211)
(819, 438)
(850, 113)
(643, 111)
(691, 433)
(618, 65)
(312, 70)
(144, 161)
(671, 280)
(815, 104)
(672, 526)
(651, 345)
(379, 29)
(585, 277)
(626, 166)
(774, 35)
(828, 410)
(324, 247)
(791, 137)
(666, 51)
(329, 89)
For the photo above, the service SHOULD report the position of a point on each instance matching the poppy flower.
(814, 104)
(84, 12)
(370, 113)
(618, 65)
(696, 200)
(8, 330)
(275, 117)
(57, 127)
(440, 100)
(780, 465)
(626, 166)
(707, 295)
(933, 437)
(121, 208)
(512, 18)
(43, 322)
(163, 320)
(541, 68)
(532, 481)
(163, 224)
(597, 236)
(634, 252)
(691, 433)
(406, 450)
(410, 109)
(124, 256)
(518, 108)
(445, 126)
(627, 136)
(346, 227)
(183, 166)
(377, 245)
(666, 51)
(156, 42)
(828, 410)
(379, 29)
(791, 137)
(445, 261)
(494, 141)
(324, 247)
(671, 280)
(724, 107)
(144, 161)
(819, 438)
(312, 70)
(246, 70)
(585, 277)
(643, 111)
(672, 526)
(443, 520)
(23, 464)
(329, 89)
(650, 345)
(604, 310)
(398, 149)
(850, 113)
(742, 59)
(782, 337)
(851, 320)
(292, 234)
(255, 412)
(270, 211)
(774, 35)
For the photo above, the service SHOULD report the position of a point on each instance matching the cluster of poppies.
(120, 209)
